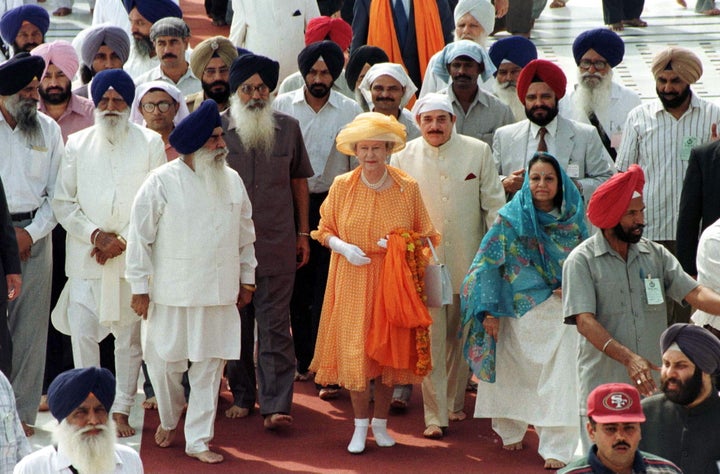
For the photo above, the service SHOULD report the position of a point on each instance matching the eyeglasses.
(598, 65)
(248, 89)
(163, 106)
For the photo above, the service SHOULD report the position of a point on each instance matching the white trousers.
(87, 332)
(204, 377)
(556, 442)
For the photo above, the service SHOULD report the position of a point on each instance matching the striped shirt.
(660, 144)
(13, 442)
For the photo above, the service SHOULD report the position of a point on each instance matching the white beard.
(481, 40)
(24, 112)
(210, 166)
(591, 96)
(88, 454)
(254, 126)
(508, 96)
(113, 126)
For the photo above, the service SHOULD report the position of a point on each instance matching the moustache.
(169, 55)
(508, 84)
(461, 77)
(540, 107)
(222, 84)
(384, 99)
(435, 131)
(637, 227)
(621, 443)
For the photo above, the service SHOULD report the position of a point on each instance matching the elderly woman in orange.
(360, 338)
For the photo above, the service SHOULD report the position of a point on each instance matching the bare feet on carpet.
(433, 432)
(551, 463)
(122, 421)
(163, 437)
(43, 404)
(277, 420)
(457, 416)
(150, 403)
(29, 430)
(513, 446)
(237, 412)
(207, 457)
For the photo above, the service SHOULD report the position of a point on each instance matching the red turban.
(541, 70)
(612, 198)
(334, 29)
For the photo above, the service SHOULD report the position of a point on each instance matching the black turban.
(19, 71)
(71, 388)
(698, 344)
(329, 51)
(154, 10)
(195, 130)
(245, 65)
(13, 19)
(359, 58)
(605, 42)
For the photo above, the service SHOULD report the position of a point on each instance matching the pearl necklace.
(374, 186)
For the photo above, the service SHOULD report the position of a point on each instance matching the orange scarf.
(428, 31)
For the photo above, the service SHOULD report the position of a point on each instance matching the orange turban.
(681, 61)
(612, 198)
(541, 70)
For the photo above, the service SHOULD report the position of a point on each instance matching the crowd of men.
(116, 139)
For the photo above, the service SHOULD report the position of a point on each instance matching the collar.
(445, 146)
(657, 108)
(551, 128)
(480, 98)
(599, 468)
(78, 105)
(602, 246)
(298, 97)
(159, 75)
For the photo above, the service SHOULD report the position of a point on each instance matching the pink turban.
(61, 54)
(612, 198)
(334, 29)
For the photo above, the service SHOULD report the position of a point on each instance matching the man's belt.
(23, 216)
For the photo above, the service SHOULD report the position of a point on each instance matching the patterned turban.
(612, 198)
(397, 72)
(19, 71)
(371, 126)
(170, 26)
(605, 42)
(514, 49)
(246, 65)
(698, 344)
(335, 29)
(359, 58)
(113, 37)
(195, 130)
(71, 388)
(154, 10)
(215, 47)
(482, 10)
(328, 51)
(13, 19)
(460, 48)
(61, 54)
(541, 70)
(679, 60)
(118, 79)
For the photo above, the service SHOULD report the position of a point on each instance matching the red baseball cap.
(615, 403)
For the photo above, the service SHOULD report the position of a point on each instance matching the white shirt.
(660, 144)
(188, 83)
(318, 129)
(49, 461)
(708, 267)
(29, 170)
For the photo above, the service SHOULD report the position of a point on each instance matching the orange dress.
(360, 216)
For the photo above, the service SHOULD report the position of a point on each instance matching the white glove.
(351, 252)
(382, 243)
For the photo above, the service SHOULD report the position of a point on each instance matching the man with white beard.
(103, 167)
(267, 150)
(510, 55)
(191, 244)
(597, 99)
(84, 442)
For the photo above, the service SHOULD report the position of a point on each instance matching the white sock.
(357, 443)
(382, 437)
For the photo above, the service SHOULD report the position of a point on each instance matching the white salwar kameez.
(536, 381)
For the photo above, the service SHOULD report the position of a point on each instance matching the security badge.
(653, 290)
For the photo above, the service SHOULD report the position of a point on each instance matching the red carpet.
(318, 439)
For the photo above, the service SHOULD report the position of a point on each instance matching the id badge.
(653, 291)
(688, 144)
(573, 170)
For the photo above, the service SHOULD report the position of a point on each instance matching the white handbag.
(438, 285)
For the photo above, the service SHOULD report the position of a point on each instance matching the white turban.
(433, 101)
(397, 72)
(482, 10)
(174, 92)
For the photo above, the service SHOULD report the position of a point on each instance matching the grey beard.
(210, 166)
(88, 454)
(143, 46)
(113, 126)
(24, 112)
(593, 97)
(254, 126)
(508, 96)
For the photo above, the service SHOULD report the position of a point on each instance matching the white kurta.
(49, 460)
(197, 247)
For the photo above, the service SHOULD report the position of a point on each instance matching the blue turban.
(460, 48)
(605, 42)
(20, 71)
(115, 78)
(113, 37)
(13, 19)
(698, 344)
(245, 65)
(195, 130)
(71, 388)
(154, 10)
(516, 49)
(329, 51)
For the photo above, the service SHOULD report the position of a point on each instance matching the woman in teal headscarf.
(511, 300)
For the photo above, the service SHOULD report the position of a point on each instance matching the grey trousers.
(28, 318)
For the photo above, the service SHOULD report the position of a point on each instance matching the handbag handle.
(432, 249)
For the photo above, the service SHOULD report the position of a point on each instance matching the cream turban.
(482, 10)
(371, 126)
(679, 60)
(397, 72)
(217, 46)
(433, 101)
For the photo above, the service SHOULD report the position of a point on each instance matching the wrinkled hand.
(140, 304)
(302, 250)
(244, 298)
(100, 256)
(501, 9)
(24, 242)
(109, 244)
(514, 181)
(640, 370)
(14, 285)
(492, 326)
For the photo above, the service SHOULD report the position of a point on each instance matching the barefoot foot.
(616, 26)
(150, 403)
(513, 446)
(123, 425)
(457, 416)
(207, 457)
(277, 420)
(433, 432)
(29, 430)
(43, 404)
(237, 412)
(163, 437)
(551, 463)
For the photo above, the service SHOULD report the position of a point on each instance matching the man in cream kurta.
(462, 193)
(103, 167)
(191, 233)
